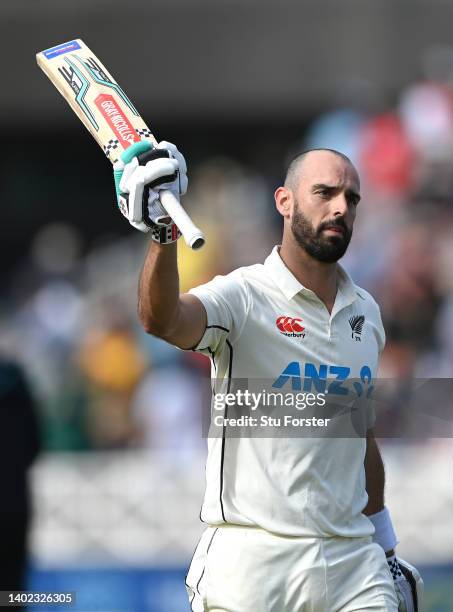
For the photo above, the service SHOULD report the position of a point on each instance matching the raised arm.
(140, 175)
(179, 319)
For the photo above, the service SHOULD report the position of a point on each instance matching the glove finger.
(172, 149)
(155, 169)
(404, 593)
(129, 170)
(138, 176)
(175, 153)
(183, 182)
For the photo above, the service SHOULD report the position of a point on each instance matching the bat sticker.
(98, 75)
(72, 45)
(80, 85)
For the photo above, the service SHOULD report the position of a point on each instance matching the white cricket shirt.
(291, 486)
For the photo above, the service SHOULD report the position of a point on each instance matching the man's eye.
(323, 193)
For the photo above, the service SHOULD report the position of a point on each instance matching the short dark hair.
(294, 164)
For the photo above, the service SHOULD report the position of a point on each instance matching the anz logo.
(324, 379)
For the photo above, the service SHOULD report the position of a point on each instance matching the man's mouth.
(335, 229)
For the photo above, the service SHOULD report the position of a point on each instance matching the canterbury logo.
(356, 324)
(290, 326)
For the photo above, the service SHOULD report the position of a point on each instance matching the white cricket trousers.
(244, 569)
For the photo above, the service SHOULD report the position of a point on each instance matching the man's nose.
(340, 206)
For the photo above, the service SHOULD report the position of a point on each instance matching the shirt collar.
(290, 286)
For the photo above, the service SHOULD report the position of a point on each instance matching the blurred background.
(110, 462)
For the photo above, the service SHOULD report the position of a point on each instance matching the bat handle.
(193, 237)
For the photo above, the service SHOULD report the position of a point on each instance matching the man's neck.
(319, 277)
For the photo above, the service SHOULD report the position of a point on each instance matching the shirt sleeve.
(374, 313)
(227, 302)
(381, 332)
(373, 404)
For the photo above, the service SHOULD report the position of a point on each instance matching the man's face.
(325, 202)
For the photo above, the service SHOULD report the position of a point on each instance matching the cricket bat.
(107, 112)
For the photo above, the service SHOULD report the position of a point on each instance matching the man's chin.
(329, 255)
(328, 248)
(327, 259)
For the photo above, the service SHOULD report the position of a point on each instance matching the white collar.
(290, 286)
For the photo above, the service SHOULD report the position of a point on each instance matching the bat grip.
(193, 237)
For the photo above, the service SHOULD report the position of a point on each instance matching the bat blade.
(94, 96)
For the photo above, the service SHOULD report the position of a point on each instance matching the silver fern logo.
(356, 322)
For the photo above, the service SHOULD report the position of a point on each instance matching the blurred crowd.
(102, 383)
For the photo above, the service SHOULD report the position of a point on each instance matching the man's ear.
(284, 201)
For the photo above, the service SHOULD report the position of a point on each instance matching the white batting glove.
(408, 585)
(139, 176)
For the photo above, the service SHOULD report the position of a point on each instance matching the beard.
(327, 249)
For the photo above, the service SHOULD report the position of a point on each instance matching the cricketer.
(292, 524)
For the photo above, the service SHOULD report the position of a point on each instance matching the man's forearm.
(159, 289)
(375, 477)
(375, 483)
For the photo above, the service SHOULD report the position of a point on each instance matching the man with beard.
(293, 523)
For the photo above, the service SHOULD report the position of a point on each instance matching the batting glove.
(140, 174)
(408, 585)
